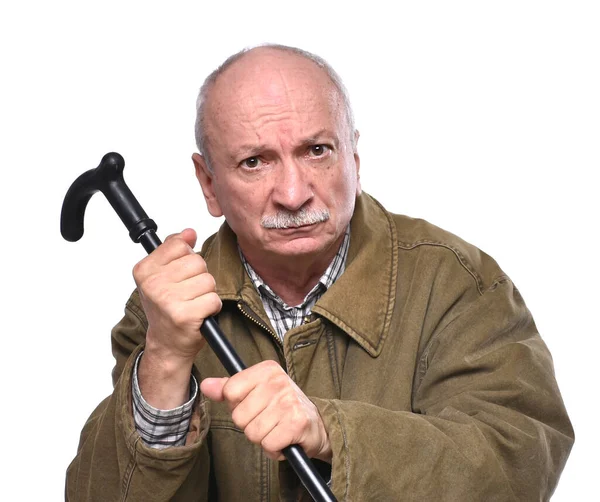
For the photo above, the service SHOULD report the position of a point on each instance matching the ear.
(206, 179)
(357, 162)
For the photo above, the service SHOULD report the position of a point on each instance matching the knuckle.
(151, 288)
(189, 265)
(198, 259)
(253, 434)
(238, 419)
(271, 449)
(205, 282)
(230, 392)
(177, 313)
(288, 400)
(140, 269)
(299, 421)
(197, 264)
(271, 366)
(280, 379)
(179, 246)
(212, 283)
(213, 302)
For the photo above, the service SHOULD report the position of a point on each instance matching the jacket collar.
(360, 302)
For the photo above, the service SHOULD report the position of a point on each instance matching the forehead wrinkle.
(253, 98)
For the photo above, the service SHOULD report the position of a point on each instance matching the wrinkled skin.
(279, 143)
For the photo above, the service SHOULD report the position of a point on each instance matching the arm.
(488, 423)
(112, 462)
(161, 428)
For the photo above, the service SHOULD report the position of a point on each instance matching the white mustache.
(286, 219)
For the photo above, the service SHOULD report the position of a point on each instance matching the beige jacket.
(423, 360)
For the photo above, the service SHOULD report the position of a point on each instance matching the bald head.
(261, 74)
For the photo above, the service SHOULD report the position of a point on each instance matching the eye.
(318, 150)
(251, 163)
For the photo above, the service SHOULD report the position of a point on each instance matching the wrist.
(164, 382)
(325, 454)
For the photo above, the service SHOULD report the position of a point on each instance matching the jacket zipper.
(249, 314)
(256, 320)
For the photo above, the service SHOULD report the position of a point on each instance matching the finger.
(196, 287)
(261, 424)
(204, 306)
(249, 410)
(212, 388)
(265, 371)
(174, 246)
(187, 234)
(241, 384)
(279, 437)
(184, 267)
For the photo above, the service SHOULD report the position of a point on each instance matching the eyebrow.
(252, 149)
(315, 138)
(249, 150)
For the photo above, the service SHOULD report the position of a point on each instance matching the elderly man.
(402, 359)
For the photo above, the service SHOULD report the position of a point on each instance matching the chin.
(299, 247)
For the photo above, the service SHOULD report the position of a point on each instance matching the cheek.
(344, 189)
(244, 204)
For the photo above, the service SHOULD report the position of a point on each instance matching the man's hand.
(177, 294)
(271, 410)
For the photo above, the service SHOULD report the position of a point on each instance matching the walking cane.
(108, 178)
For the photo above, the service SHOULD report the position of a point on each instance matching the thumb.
(212, 388)
(189, 236)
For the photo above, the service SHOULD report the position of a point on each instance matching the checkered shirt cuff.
(161, 428)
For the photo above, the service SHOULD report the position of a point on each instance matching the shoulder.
(439, 245)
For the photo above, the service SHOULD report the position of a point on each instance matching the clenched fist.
(271, 410)
(177, 294)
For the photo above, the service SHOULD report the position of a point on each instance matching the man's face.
(282, 155)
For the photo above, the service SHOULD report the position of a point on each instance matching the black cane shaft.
(221, 347)
(308, 475)
(150, 241)
(231, 361)
(108, 178)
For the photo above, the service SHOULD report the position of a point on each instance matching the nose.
(293, 187)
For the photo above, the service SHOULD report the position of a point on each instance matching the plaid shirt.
(165, 428)
(282, 316)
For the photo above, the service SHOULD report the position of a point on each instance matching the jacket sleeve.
(112, 462)
(487, 422)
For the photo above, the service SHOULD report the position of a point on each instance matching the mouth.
(297, 228)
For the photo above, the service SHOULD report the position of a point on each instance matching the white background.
(482, 117)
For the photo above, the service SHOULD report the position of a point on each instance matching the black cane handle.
(108, 179)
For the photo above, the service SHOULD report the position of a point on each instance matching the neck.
(292, 278)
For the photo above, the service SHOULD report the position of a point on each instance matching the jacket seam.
(333, 359)
(226, 427)
(129, 474)
(347, 455)
(267, 483)
(393, 283)
(462, 260)
(422, 368)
